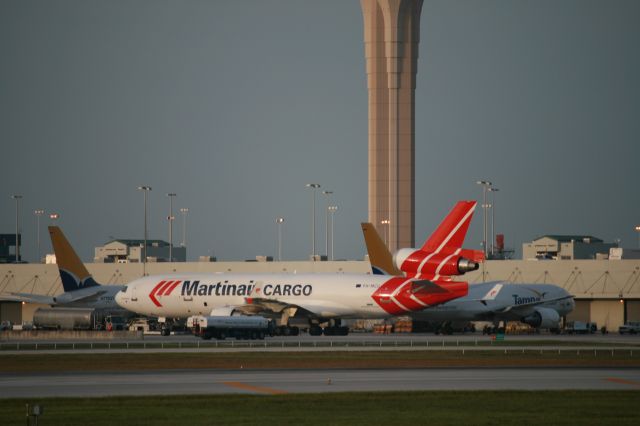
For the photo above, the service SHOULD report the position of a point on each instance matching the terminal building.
(8, 247)
(566, 247)
(131, 251)
(607, 292)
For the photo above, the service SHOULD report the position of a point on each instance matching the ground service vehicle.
(632, 327)
(221, 327)
(580, 327)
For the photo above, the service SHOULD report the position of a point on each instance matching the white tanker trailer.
(66, 318)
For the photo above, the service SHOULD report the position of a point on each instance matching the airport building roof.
(138, 243)
(569, 238)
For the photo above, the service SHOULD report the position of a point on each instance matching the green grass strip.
(371, 408)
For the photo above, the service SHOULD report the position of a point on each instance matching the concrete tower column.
(391, 36)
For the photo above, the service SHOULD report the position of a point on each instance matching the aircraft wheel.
(315, 330)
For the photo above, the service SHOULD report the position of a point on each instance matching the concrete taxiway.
(187, 382)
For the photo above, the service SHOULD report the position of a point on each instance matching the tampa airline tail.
(73, 273)
(379, 255)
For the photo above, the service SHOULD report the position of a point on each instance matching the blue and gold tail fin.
(73, 273)
(379, 255)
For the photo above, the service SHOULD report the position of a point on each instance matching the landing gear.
(336, 331)
(315, 330)
(285, 330)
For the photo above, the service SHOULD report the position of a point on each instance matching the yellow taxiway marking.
(260, 389)
(623, 381)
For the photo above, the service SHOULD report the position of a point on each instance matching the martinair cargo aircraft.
(80, 289)
(297, 300)
(539, 305)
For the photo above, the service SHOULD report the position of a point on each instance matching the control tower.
(391, 37)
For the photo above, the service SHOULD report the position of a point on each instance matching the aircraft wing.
(311, 309)
(28, 298)
(86, 298)
(515, 308)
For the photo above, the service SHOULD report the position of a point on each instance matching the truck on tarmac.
(581, 327)
(632, 327)
(76, 319)
(221, 327)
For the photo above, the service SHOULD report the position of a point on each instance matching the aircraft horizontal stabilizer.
(91, 297)
(426, 286)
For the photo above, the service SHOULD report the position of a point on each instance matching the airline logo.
(491, 294)
(400, 295)
(163, 288)
(195, 288)
(524, 300)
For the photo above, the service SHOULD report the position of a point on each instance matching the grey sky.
(236, 105)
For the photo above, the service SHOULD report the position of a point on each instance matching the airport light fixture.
(493, 190)
(326, 223)
(279, 222)
(332, 210)
(17, 197)
(38, 213)
(485, 186)
(313, 187)
(638, 231)
(170, 218)
(385, 223)
(184, 212)
(145, 189)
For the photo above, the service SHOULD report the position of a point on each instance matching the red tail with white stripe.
(442, 253)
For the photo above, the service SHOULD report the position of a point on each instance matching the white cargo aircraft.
(297, 300)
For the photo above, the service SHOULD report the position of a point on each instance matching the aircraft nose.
(121, 298)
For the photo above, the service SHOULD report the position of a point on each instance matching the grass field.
(335, 359)
(379, 408)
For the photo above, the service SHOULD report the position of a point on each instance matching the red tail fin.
(453, 229)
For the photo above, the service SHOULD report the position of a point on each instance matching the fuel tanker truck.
(221, 327)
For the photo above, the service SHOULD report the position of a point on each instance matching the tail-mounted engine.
(443, 263)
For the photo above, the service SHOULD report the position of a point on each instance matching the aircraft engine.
(543, 318)
(414, 261)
